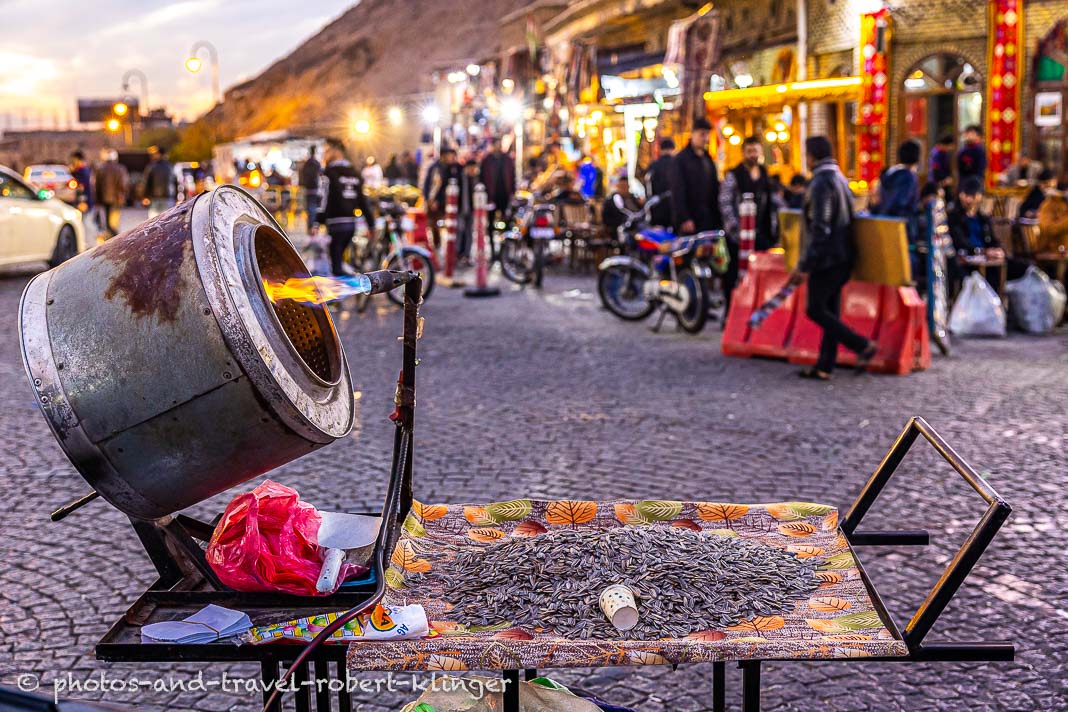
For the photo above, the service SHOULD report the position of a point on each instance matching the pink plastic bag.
(267, 540)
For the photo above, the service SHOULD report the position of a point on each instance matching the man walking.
(160, 186)
(750, 176)
(498, 175)
(827, 221)
(309, 185)
(658, 182)
(83, 175)
(437, 182)
(466, 212)
(344, 196)
(112, 182)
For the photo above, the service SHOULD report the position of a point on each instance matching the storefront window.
(943, 95)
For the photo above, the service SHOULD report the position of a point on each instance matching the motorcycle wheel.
(415, 262)
(539, 262)
(693, 318)
(517, 261)
(622, 291)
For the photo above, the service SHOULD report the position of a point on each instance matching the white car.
(54, 177)
(34, 226)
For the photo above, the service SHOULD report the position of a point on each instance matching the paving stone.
(547, 395)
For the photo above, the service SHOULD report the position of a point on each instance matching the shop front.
(1050, 143)
(772, 113)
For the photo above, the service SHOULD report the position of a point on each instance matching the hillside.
(378, 51)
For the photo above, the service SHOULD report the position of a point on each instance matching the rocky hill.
(378, 51)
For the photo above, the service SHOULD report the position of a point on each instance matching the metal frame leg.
(269, 677)
(511, 691)
(719, 686)
(303, 694)
(322, 686)
(344, 698)
(529, 674)
(750, 685)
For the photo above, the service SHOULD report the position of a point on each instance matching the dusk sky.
(53, 53)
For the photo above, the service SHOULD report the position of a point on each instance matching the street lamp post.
(194, 64)
(140, 76)
(432, 116)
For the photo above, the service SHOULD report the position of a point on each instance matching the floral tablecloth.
(837, 621)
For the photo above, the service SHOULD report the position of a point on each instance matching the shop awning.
(835, 89)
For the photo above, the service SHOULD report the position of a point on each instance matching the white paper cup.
(617, 603)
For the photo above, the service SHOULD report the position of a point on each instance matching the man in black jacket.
(973, 236)
(658, 182)
(695, 184)
(309, 184)
(344, 196)
(434, 186)
(827, 221)
(498, 175)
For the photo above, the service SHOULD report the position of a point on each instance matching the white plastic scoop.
(338, 533)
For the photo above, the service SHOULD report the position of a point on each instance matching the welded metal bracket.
(958, 569)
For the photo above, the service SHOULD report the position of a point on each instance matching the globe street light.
(395, 115)
(121, 108)
(140, 76)
(362, 127)
(194, 64)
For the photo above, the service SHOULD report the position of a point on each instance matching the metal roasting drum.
(165, 371)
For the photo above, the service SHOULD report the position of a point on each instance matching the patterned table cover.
(837, 621)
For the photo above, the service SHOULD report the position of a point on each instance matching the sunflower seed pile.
(685, 581)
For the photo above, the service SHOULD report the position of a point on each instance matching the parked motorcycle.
(659, 270)
(525, 245)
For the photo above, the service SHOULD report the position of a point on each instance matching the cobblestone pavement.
(546, 395)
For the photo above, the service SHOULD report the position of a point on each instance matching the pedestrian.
(498, 175)
(898, 196)
(591, 178)
(1052, 216)
(466, 212)
(410, 167)
(750, 176)
(112, 184)
(795, 192)
(829, 253)
(617, 207)
(310, 173)
(83, 175)
(1023, 173)
(344, 196)
(373, 177)
(940, 163)
(971, 158)
(658, 182)
(1032, 202)
(393, 172)
(160, 183)
(695, 195)
(436, 183)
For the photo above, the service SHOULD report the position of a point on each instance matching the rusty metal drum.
(166, 372)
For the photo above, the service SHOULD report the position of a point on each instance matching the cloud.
(157, 18)
(24, 74)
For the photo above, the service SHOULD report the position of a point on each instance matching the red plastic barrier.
(894, 317)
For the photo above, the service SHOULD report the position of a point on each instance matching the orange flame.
(317, 290)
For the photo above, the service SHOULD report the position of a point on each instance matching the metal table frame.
(185, 578)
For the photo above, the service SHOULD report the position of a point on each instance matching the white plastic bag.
(1036, 302)
(978, 310)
